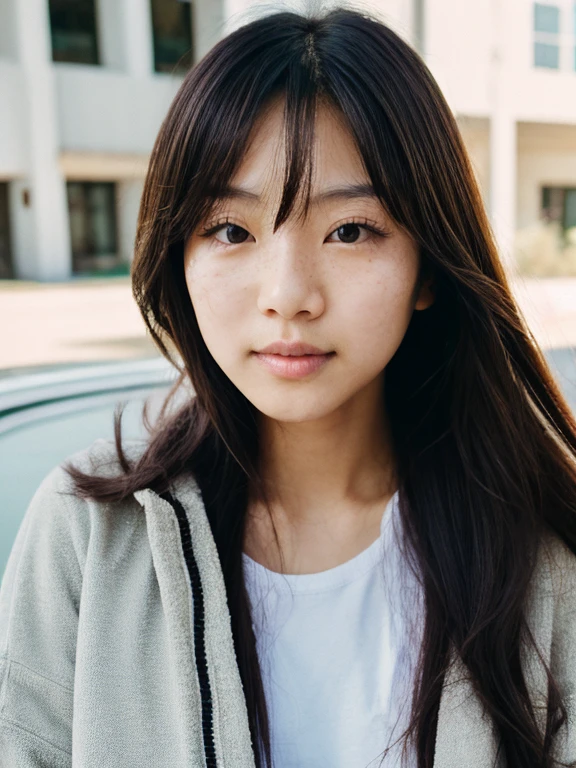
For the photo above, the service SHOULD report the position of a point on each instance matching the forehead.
(336, 161)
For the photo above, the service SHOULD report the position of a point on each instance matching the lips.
(292, 349)
(293, 366)
(293, 359)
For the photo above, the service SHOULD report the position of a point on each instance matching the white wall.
(13, 120)
(104, 111)
(491, 42)
(546, 96)
(476, 135)
(546, 157)
(462, 32)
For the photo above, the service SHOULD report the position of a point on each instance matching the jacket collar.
(184, 596)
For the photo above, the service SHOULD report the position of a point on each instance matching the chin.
(299, 411)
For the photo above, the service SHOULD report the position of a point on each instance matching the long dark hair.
(485, 444)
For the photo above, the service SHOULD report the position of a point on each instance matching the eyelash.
(370, 227)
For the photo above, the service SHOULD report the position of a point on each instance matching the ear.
(426, 294)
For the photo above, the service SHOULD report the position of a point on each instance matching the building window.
(546, 36)
(172, 29)
(73, 29)
(6, 268)
(559, 205)
(92, 211)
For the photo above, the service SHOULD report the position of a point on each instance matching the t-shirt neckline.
(331, 578)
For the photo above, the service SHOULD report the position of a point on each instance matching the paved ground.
(80, 321)
(94, 320)
(549, 306)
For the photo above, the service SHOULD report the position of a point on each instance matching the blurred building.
(508, 70)
(85, 84)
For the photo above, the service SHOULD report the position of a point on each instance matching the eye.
(234, 233)
(350, 231)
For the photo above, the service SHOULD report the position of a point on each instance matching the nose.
(290, 283)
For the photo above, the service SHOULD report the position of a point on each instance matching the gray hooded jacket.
(116, 648)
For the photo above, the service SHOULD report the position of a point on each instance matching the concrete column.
(109, 15)
(129, 194)
(419, 26)
(125, 36)
(8, 48)
(49, 237)
(209, 23)
(136, 21)
(22, 232)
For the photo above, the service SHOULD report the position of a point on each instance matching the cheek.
(219, 300)
(377, 314)
(215, 293)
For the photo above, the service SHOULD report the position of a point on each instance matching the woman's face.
(327, 281)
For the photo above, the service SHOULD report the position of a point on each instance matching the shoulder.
(557, 561)
(58, 519)
(44, 583)
(60, 531)
(553, 601)
(56, 494)
(101, 458)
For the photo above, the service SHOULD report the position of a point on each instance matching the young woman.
(351, 543)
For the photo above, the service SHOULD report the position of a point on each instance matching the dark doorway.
(6, 265)
(93, 228)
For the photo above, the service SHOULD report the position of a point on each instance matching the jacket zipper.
(199, 631)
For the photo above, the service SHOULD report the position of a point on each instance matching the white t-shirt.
(336, 662)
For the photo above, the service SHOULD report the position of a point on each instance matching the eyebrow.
(347, 192)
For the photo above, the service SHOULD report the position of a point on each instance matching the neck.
(339, 464)
(328, 482)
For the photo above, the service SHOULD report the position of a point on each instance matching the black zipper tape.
(199, 631)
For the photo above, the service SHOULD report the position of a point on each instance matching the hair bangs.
(216, 147)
